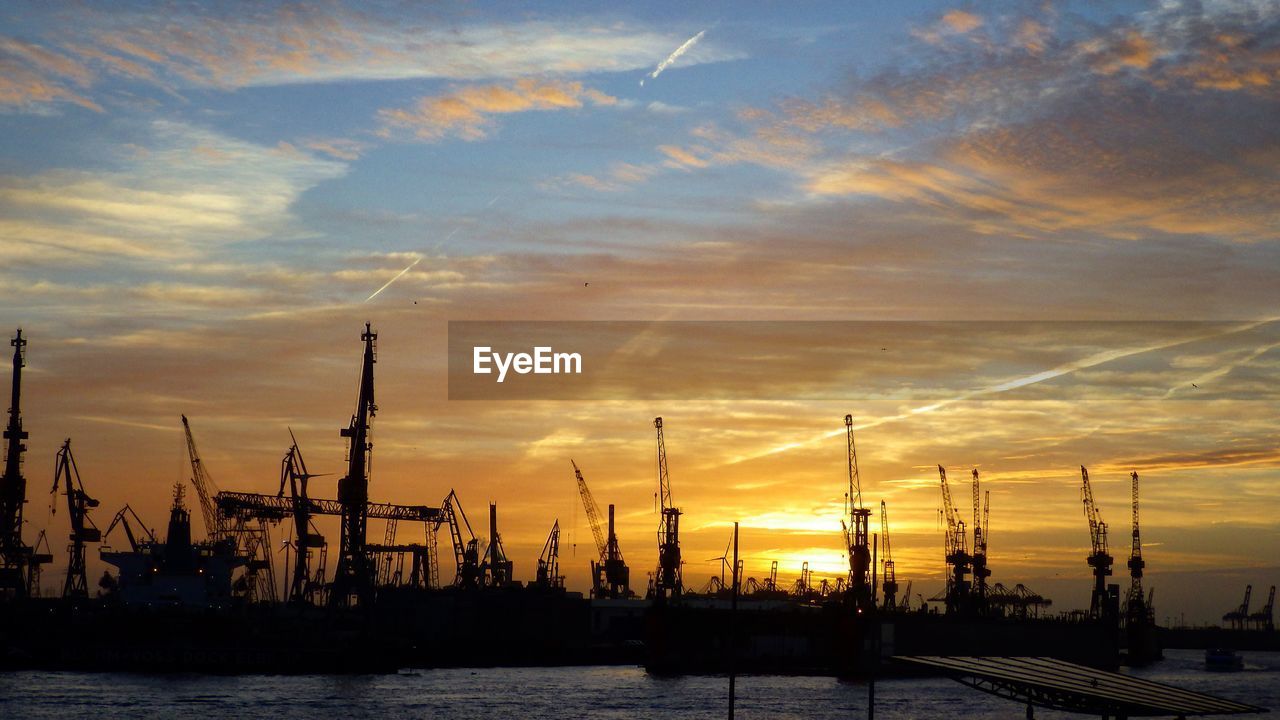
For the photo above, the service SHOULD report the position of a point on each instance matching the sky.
(201, 205)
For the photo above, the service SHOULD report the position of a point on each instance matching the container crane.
(354, 575)
(1100, 604)
(980, 570)
(82, 528)
(959, 561)
(1239, 617)
(1264, 619)
(857, 530)
(890, 576)
(548, 573)
(668, 583)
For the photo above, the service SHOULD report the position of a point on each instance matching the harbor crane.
(668, 583)
(548, 573)
(122, 519)
(206, 489)
(857, 531)
(250, 538)
(496, 570)
(466, 549)
(1239, 618)
(82, 528)
(1102, 601)
(610, 576)
(353, 578)
(19, 563)
(1264, 619)
(959, 561)
(890, 576)
(1136, 610)
(980, 570)
(307, 579)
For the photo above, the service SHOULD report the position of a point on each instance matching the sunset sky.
(198, 203)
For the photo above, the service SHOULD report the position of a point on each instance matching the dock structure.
(1059, 685)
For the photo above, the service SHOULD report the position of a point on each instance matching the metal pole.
(873, 628)
(733, 613)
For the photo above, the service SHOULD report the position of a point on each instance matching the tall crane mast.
(82, 528)
(497, 568)
(1135, 607)
(548, 572)
(980, 570)
(668, 582)
(1099, 559)
(354, 576)
(957, 553)
(466, 548)
(19, 563)
(857, 531)
(204, 485)
(890, 576)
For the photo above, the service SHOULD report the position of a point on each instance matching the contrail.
(673, 57)
(397, 277)
(1064, 369)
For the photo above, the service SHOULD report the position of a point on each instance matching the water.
(596, 692)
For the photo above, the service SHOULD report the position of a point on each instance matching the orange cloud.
(466, 112)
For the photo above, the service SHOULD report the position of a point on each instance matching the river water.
(577, 692)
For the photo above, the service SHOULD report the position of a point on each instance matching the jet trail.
(397, 277)
(1064, 369)
(673, 57)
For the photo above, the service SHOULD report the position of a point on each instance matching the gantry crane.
(1100, 604)
(548, 573)
(354, 575)
(610, 576)
(82, 528)
(857, 530)
(19, 562)
(980, 570)
(1136, 610)
(667, 582)
(959, 561)
(206, 489)
(890, 576)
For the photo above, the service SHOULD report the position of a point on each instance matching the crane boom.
(593, 512)
(204, 485)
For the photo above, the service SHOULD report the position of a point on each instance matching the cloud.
(191, 188)
(466, 112)
(262, 46)
(32, 76)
